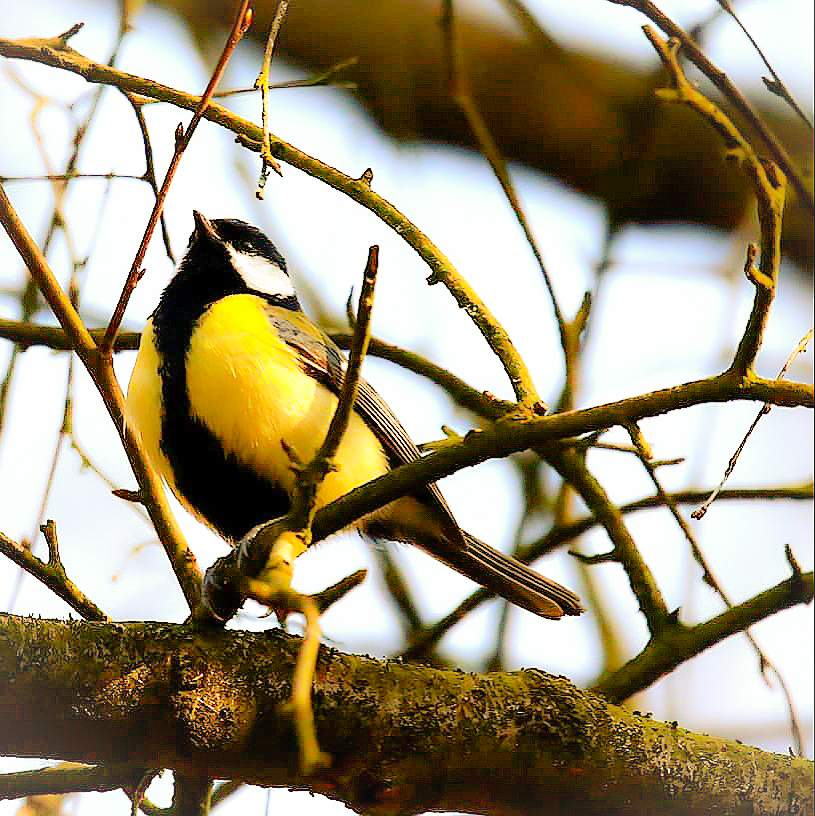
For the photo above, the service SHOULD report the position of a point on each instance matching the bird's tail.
(502, 574)
(515, 581)
(507, 576)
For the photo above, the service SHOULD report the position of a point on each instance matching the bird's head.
(229, 256)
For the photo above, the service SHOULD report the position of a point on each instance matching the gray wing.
(322, 359)
(502, 574)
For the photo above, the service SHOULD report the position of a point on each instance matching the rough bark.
(404, 738)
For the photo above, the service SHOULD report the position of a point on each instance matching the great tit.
(233, 384)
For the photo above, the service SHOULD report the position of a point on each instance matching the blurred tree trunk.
(588, 121)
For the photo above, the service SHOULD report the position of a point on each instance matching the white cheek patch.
(261, 274)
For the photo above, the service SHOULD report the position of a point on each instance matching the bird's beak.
(203, 226)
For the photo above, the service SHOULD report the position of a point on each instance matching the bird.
(234, 385)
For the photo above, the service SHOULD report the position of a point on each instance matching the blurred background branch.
(589, 120)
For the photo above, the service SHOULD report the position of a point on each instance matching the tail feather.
(502, 574)
(515, 581)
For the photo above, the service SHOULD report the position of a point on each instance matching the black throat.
(223, 490)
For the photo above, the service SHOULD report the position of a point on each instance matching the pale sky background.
(671, 310)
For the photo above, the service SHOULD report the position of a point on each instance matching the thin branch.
(63, 432)
(562, 534)
(481, 403)
(774, 85)
(766, 408)
(52, 573)
(710, 579)
(313, 475)
(326, 77)
(768, 184)
(399, 592)
(72, 176)
(29, 299)
(183, 136)
(150, 168)
(27, 334)
(460, 92)
(730, 92)
(678, 643)
(191, 794)
(262, 82)
(572, 469)
(41, 274)
(330, 595)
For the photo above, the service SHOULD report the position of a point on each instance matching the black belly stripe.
(229, 494)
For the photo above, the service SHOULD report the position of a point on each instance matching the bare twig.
(71, 177)
(330, 595)
(730, 92)
(149, 167)
(321, 464)
(571, 467)
(460, 92)
(242, 22)
(262, 82)
(327, 77)
(399, 591)
(710, 579)
(769, 185)
(52, 573)
(731, 465)
(481, 403)
(300, 517)
(774, 85)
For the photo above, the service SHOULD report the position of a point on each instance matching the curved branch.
(56, 53)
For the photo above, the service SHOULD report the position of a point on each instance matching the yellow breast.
(246, 385)
(143, 406)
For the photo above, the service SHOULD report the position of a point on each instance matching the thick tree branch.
(503, 743)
